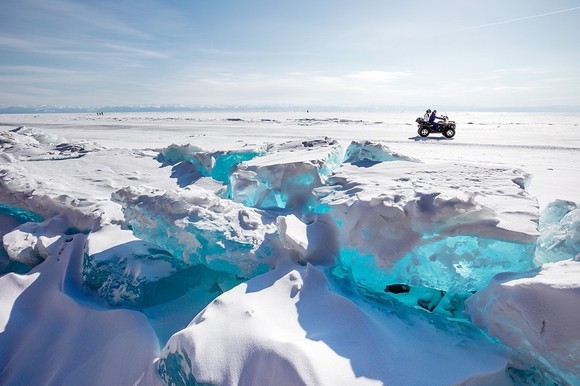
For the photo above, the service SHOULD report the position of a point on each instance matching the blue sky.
(491, 53)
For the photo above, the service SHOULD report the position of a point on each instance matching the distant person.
(427, 115)
(432, 119)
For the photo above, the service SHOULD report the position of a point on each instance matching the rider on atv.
(432, 120)
(427, 125)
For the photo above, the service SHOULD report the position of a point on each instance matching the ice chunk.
(445, 227)
(198, 227)
(19, 214)
(310, 239)
(127, 271)
(537, 314)
(37, 136)
(20, 246)
(286, 177)
(293, 234)
(11, 218)
(559, 232)
(286, 327)
(196, 162)
(366, 152)
(174, 154)
(227, 162)
(30, 144)
(31, 243)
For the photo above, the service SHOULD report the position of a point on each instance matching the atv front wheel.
(423, 132)
(449, 133)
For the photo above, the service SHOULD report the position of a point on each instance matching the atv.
(446, 127)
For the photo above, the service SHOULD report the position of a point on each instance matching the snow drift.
(286, 327)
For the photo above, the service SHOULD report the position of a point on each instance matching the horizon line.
(40, 108)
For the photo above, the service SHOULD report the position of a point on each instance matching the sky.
(490, 53)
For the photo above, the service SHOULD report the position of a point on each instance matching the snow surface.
(288, 248)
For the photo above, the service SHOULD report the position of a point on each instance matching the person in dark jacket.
(432, 119)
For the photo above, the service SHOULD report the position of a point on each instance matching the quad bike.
(446, 127)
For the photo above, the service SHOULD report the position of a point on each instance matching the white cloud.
(135, 51)
(375, 76)
(361, 87)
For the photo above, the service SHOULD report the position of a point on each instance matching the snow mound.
(47, 309)
(537, 314)
(445, 227)
(286, 327)
(559, 232)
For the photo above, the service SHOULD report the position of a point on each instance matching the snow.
(68, 337)
(288, 248)
(537, 315)
(291, 329)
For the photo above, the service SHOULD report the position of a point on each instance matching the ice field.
(287, 248)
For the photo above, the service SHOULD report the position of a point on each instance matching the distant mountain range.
(41, 109)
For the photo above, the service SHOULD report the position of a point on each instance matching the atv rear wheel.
(423, 132)
(449, 133)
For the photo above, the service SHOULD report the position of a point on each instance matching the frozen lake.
(546, 145)
(208, 247)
